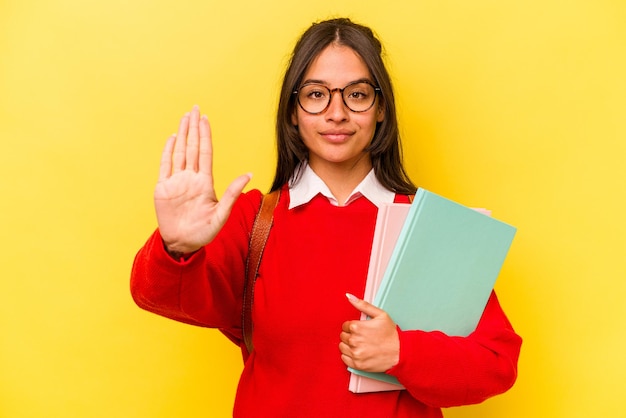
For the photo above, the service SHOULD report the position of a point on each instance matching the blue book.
(442, 269)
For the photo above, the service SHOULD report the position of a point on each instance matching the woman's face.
(337, 137)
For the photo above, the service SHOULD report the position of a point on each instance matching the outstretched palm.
(188, 212)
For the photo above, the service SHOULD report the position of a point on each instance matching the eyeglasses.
(315, 98)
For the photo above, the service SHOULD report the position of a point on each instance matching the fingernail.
(351, 297)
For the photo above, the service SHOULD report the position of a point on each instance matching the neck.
(342, 179)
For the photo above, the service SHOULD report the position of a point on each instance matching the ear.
(294, 117)
(380, 113)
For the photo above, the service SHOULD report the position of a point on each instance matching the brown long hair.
(385, 149)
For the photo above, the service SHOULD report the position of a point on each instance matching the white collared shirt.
(310, 185)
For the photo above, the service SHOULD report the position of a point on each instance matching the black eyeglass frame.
(377, 91)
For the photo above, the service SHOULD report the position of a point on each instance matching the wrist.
(178, 253)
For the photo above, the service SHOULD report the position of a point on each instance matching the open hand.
(188, 211)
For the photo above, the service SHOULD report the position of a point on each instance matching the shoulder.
(244, 210)
(250, 200)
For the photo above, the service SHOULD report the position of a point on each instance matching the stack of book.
(433, 266)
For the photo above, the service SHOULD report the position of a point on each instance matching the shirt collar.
(309, 185)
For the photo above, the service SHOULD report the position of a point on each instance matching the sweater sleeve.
(443, 371)
(207, 288)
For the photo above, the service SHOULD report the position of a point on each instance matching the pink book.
(389, 222)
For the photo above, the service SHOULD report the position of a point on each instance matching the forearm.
(155, 281)
(445, 371)
(181, 289)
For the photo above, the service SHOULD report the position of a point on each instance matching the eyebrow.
(322, 82)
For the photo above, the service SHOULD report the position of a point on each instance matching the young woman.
(339, 158)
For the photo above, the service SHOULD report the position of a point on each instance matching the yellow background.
(515, 106)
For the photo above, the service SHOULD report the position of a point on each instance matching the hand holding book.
(372, 345)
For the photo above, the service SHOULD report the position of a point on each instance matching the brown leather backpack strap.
(258, 238)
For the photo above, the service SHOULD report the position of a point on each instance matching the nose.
(337, 110)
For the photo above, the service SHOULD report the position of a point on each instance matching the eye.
(314, 92)
(358, 95)
(359, 92)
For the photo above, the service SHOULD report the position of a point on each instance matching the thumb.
(364, 306)
(234, 190)
(229, 197)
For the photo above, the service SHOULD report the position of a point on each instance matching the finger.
(345, 338)
(365, 307)
(236, 188)
(193, 134)
(231, 194)
(165, 169)
(347, 360)
(345, 349)
(205, 159)
(178, 158)
(347, 326)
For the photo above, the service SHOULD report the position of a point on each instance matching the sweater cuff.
(407, 345)
(165, 261)
(415, 357)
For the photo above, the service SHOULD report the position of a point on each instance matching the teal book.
(442, 269)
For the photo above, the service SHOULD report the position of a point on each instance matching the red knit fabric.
(315, 254)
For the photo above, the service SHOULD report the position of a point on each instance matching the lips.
(337, 135)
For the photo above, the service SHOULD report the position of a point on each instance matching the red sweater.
(315, 254)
